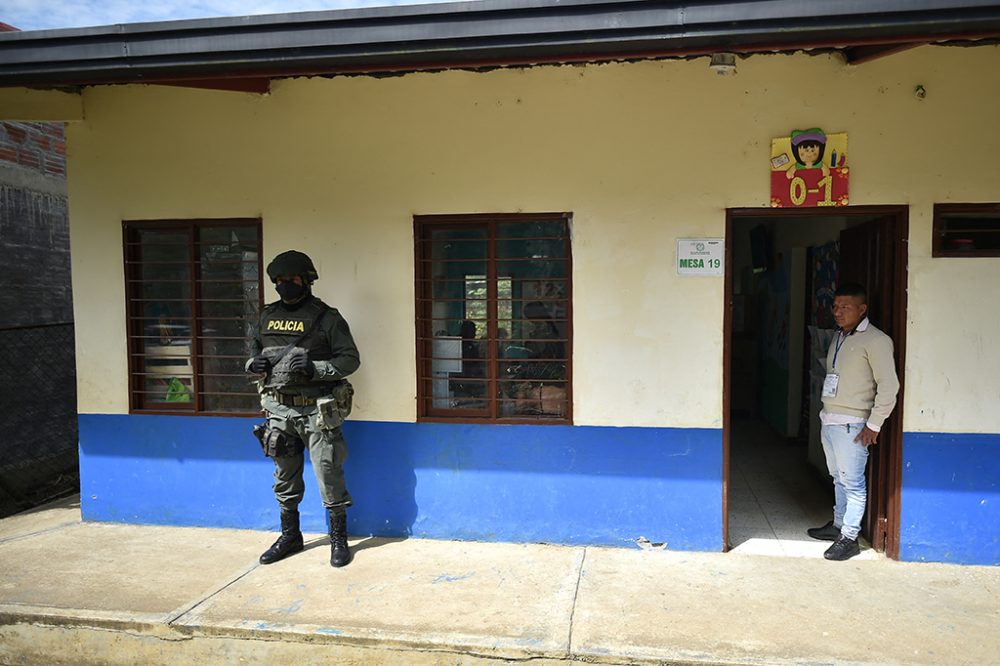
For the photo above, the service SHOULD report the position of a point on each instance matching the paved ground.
(97, 593)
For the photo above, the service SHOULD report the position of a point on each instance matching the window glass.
(229, 308)
(476, 304)
(967, 230)
(459, 317)
(194, 297)
(165, 319)
(493, 315)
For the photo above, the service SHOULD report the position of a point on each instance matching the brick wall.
(34, 226)
(40, 147)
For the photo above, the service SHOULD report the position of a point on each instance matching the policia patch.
(286, 326)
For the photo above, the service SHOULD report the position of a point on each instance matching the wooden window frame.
(941, 211)
(133, 323)
(423, 305)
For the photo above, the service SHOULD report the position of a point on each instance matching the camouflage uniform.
(289, 398)
(303, 350)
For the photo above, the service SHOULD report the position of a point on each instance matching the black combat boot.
(290, 541)
(340, 554)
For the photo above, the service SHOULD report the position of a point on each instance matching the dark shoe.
(340, 553)
(842, 549)
(290, 541)
(826, 533)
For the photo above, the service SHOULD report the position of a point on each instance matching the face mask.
(289, 291)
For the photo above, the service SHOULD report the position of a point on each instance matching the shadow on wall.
(210, 472)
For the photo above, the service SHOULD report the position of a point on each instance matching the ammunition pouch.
(275, 443)
(333, 410)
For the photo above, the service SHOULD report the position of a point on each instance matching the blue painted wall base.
(516, 483)
(552, 484)
(950, 503)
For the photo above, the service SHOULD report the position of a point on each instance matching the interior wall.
(787, 234)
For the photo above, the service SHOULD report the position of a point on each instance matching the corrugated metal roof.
(474, 34)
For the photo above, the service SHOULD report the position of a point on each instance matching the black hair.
(852, 289)
(819, 158)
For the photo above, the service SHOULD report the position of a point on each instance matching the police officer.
(303, 350)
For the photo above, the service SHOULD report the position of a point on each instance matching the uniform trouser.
(327, 452)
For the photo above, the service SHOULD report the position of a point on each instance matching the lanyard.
(841, 337)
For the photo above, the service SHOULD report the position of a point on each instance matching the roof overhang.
(244, 53)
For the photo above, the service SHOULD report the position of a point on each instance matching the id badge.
(830, 385)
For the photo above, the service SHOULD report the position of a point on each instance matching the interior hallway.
(774, 496)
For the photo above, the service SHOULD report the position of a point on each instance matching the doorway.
(782, 266)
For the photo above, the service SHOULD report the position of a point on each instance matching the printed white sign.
(700, 256)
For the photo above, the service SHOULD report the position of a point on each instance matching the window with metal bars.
(966, 230)
(193, 300)
(494, 318)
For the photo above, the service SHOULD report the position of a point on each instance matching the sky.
(48, 14)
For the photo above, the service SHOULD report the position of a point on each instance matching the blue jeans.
(846, 460)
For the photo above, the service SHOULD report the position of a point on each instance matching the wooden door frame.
(901, 226)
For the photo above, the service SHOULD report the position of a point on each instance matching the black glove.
(301, 363)
(259, 365)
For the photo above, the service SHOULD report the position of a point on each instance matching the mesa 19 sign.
(809, 168)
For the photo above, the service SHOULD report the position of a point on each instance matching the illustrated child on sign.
(809, 168)
(808, 147)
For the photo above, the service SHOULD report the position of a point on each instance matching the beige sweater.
(868, 382)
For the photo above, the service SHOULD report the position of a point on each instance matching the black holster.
(277, 444)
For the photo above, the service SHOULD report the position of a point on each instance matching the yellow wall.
(34, 105)
(640, 153)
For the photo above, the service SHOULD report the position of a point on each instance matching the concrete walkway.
(98, 593)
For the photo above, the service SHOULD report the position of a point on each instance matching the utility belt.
(332, 409)
(292, 400)
(309, 396)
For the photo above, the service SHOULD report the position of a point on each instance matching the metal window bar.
(199, 310)
(495, 408)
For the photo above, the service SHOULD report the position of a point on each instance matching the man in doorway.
(303, 350)
(859, 393)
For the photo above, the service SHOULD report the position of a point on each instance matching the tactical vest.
(280, 327)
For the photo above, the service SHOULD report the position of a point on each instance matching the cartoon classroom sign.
(809, 168)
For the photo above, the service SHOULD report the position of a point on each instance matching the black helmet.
(292, 262)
